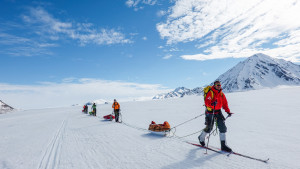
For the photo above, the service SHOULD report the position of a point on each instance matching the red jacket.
(218, 96)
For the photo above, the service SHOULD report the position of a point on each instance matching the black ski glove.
(229, 114)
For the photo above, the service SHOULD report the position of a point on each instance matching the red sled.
(109, 117)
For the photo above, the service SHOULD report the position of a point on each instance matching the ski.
(235, 153)
(208, 148)
(253, 158)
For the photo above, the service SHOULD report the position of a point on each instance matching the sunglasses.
(218, 85)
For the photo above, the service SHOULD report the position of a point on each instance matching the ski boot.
(224, 147)
(202, 143)
(202, 138)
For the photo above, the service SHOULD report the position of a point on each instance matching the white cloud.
(229, 28)
(44, 31)
(74, 91)
(174, 49)
(144, 38)
(21, 46)
(7, 39)
(139, 4)
(48, 26)
(167, 56)
(161, 13)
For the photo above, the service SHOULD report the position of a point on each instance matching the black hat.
(217, 81)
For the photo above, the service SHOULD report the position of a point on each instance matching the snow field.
(265, 125)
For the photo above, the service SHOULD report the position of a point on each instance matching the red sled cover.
(109, 117)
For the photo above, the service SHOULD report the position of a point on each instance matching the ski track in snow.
(52, 155)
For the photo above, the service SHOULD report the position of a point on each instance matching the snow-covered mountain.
(4, 107)
(256, 72)
(198, 90)
(178, 92)
(260, 71)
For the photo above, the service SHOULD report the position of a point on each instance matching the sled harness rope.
(187, 121)
(179, 137)
(173, 132)
(170, 130)
(135, 127)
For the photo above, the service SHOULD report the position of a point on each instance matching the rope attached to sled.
(171, 130)
(188, 120)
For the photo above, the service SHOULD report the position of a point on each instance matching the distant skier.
(94, 109)
(116, 107)
(85, 108)
(215, 99)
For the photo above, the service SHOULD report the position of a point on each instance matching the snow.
(265, 124)
(100, 101)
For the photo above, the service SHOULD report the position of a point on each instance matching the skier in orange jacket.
(116, 107)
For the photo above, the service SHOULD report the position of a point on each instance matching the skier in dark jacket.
(214, 101)
(85, 109)
(94, 109)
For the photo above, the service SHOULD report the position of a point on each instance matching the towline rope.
(187, 121)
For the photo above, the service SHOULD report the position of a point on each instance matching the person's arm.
(225, 105)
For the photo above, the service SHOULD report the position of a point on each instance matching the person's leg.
(209, 121)
(221, 123)
(116, 116)
(223, 129)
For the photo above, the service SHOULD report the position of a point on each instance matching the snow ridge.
(4, 107)
(179, 92)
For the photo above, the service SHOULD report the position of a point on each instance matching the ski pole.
(120, 119)
(211, 124)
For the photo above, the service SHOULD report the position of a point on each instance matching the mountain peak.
(4, 107)
(181, 89)
(260, 55)
(260, 71)
(179, 92)
(256, 72)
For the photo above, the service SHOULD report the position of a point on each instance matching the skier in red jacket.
(214, 101)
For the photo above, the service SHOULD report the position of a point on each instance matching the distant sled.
(109, 117)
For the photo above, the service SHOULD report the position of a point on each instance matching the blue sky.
(141, 46)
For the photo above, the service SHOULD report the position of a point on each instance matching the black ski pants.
(95, 111)
(116, 111)
(210, 119)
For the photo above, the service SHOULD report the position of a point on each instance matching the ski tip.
(266, 161)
